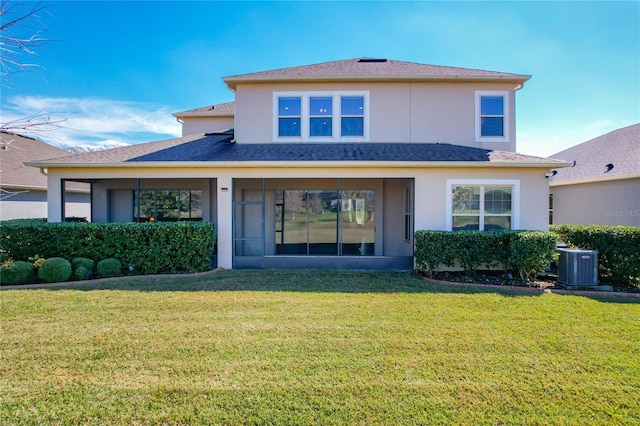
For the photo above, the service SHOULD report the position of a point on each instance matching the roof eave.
(231, 82)
(23, 187)
(183, 115)
(307, 164)
(596, 180)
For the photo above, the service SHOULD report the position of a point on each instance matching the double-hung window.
(321, 116)
(492, 116)
(352, 115)
(289, 119)
(483, 205)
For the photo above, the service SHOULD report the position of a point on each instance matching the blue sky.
(119, 69)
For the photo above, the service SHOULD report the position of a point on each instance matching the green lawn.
(315, 347)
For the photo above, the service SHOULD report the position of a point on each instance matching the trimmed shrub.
(432, 249)
(18, 272)
(150, 248)
(527, 252)
(531, 252)
(109, 268)
(618, 250)
(55, 270)
(87, 263)
(82, 273)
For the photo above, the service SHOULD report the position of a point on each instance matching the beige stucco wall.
(197, 125)
(615, 202)
(399, 112)
(33, 204)
(430, 186)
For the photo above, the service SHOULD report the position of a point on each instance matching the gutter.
(43, 188)
(595, 180)
(305, 164)
(231, 82)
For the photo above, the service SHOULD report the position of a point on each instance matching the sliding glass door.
(325, 222)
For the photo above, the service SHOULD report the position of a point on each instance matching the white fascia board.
(595, 180)
(231, 82)
(303, 164)
(23, 187)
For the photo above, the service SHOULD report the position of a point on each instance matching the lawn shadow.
(313, 281)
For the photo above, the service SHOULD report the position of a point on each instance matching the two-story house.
(332, 165)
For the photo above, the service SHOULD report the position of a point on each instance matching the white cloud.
(93, 122)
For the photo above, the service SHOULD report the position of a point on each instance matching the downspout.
(518, 88)
(137, 200)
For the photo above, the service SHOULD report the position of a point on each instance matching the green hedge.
(618, 250)
(143, 248)
(526, 252)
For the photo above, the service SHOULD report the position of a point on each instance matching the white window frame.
(515, 198)
(336, 116)
(505, 120)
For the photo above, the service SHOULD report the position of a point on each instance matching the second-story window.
(321, 116)
(352, 115)
(492, 116)
(289, 119)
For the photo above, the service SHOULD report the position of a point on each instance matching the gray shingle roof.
(218, 147)
(226, 109)
(360, 69)
(14, 151)
(620, 148)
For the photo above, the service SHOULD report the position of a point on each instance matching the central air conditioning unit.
(578, 267)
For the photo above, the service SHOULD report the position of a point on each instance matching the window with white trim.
(492, 116)
(289, 119)
(352, 115)
(321, 116)
(483, 206)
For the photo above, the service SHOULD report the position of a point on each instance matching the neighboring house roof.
(226, 109)
(14, 151)
(594, 158)
(217, 149)
(368, 69)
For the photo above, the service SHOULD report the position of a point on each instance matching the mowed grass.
(315, 347)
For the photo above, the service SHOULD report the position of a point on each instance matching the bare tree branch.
(36, 124)
(4, 193)
(20, 35)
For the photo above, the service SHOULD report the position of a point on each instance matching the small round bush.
(55, 270)
(109, 268)
(89, 264)
(82, 273)
(19, 272)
